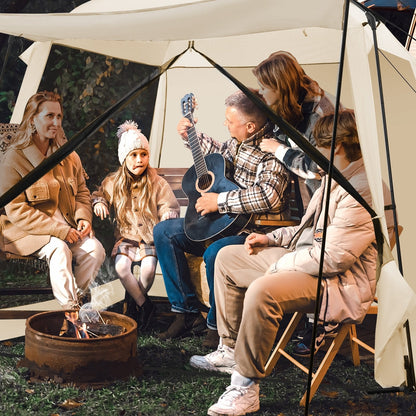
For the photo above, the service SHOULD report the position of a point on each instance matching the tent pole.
(408, 359)
(373, 24)
(410, 35)
(327, 200)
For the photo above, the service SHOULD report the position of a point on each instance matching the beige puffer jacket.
(349, 269)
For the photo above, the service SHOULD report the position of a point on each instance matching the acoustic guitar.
(207, 174)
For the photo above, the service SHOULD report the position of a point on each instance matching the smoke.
(88, 313)
(106, 273)
(106, 290)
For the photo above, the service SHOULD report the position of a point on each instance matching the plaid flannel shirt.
(261, 177)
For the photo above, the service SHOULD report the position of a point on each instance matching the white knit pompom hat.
(130, 138)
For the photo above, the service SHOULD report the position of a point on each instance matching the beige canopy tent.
(238, 34)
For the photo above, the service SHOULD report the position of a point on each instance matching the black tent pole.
(373, 24)
(408, 362)
(326, 209)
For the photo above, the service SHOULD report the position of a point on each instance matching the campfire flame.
(79, 327)
(88, 323)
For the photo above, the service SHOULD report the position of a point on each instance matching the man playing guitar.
(262, 187)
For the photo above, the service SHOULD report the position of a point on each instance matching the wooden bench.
(174, 177)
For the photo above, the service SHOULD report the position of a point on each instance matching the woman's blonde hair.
(346, 134)
(124, 183)
(23, 136)
(282, 73)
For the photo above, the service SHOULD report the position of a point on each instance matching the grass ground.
(169, 386)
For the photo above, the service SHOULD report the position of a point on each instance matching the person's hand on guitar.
(207, 203)
(189, 120)
(255, 240)
(183, 126)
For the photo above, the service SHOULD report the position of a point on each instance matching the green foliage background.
(89, 84)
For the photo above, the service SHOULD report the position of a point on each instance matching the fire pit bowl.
(93, 361)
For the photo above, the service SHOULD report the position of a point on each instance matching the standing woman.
(300, 101)
(52, 218)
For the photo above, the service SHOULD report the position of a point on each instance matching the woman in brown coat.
(52, 218)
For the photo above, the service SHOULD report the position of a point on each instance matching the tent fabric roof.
(153, 35)
(177, 20)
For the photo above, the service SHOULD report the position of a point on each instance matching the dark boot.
(184, 324)
(129, 307)
(212, 339)
(141, 314)
(144, 314)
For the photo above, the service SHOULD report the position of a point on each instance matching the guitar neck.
(197, 155)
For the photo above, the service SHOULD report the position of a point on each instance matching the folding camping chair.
(335, 345)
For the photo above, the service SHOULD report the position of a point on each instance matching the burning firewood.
(100, 329)
(73, 327)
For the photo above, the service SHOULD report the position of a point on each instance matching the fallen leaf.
(329, 393)
(70, 404)
(29, 391)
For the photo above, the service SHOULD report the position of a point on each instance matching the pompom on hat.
(130, 138)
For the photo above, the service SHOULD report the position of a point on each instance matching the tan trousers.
(250, 303)
(88, 255)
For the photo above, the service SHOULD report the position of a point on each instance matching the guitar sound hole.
(205, 182)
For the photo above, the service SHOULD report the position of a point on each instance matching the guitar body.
(214, 225)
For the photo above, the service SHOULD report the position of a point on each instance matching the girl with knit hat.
(140, 199)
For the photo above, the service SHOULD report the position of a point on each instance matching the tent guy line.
(398, 72)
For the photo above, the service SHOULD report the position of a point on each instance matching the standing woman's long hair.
(282, 73)
(23, 137)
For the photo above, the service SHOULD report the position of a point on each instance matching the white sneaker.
(237, 400)
(222, 360)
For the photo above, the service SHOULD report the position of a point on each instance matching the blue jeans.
(171, 245)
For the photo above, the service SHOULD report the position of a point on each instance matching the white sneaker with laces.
(237, 401)
(221, 360)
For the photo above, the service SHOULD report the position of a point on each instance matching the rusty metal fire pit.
(93, 361)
